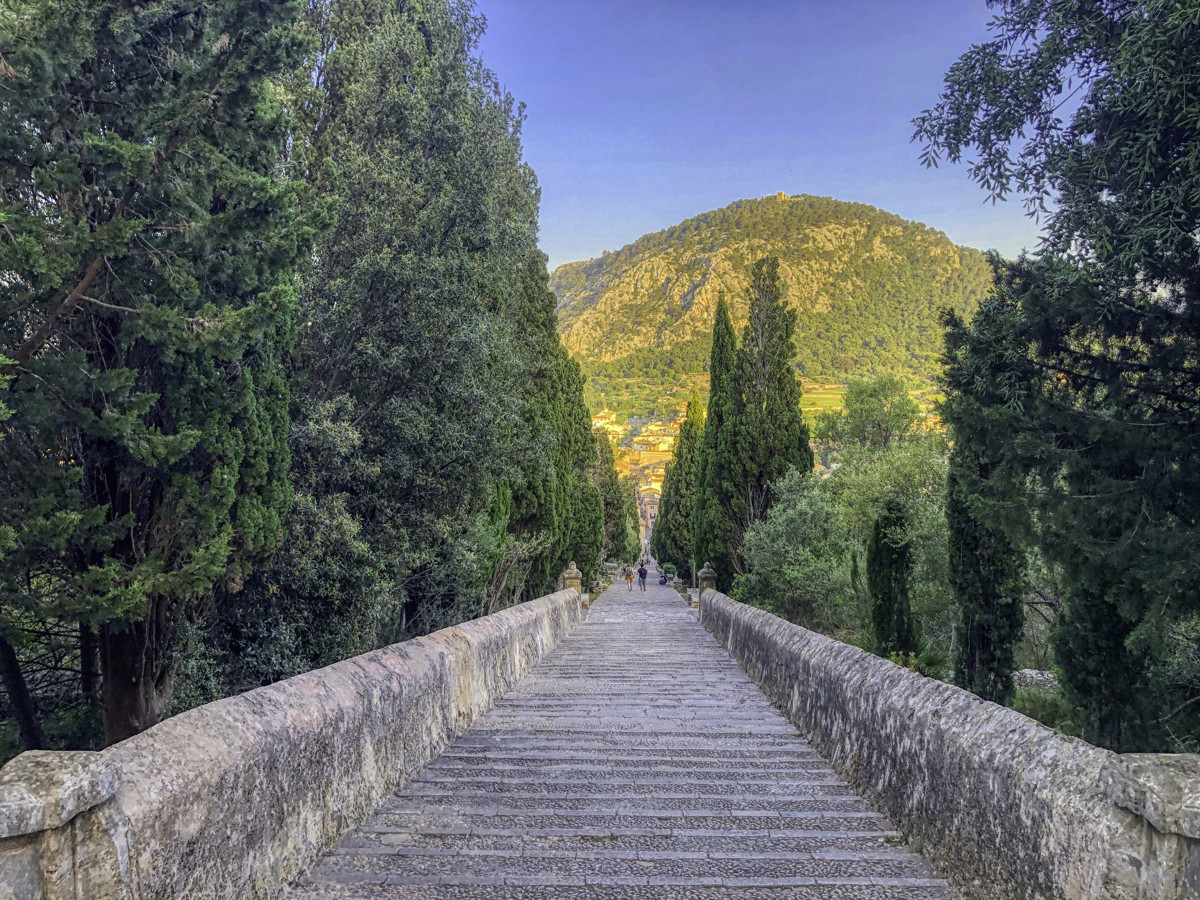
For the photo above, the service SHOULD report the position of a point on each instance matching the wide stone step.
(795, 841)
(556, 784)
(601, 889)
(584, 866)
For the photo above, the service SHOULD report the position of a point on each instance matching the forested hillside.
(867, 287)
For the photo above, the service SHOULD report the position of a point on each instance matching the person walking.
(629, 575)
(642, 573)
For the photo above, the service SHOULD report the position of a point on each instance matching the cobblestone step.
(637, 761)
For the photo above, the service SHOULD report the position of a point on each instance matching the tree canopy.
(1084, 358)
(281, 380)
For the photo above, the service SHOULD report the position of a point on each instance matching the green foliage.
(443, 448)
(620, 507)
(1049, 706)
(799, 558)
(586, 542)
(889, 568)
(194, 370)
(1085, 357)
(913, 470)
(930, 660)
(712, 531)
(755, 429)
(877, 413)
(764, 433)
(671, 540)
(985, 570)
(149, 252)
(806, 557)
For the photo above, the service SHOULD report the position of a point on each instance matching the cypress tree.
(674, 543)
(764, 433)
(985, 569)
(436, 406)
(615, 492)
(660, 536)
(712, 532)
(558, 419)
(889, 567)
(586, 542)
(152, 248)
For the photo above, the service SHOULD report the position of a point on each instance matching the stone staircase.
(638, 760)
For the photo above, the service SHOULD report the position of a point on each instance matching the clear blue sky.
(645, 112)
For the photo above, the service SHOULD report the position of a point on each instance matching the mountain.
(867, 285)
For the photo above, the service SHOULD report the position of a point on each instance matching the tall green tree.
(423, 341)
(587, 535)
(149, 252)
(620, 531)
(442, 452)
(1087, 353)
(889, 571)
(712, 531)
(985, 571)
(672, 537)
(876, 414)
(764, 433)
(558, 424)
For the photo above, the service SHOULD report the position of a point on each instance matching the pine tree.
(764, 433)
(712, 532)
(985, 570)
(150, 251)
(889, 568)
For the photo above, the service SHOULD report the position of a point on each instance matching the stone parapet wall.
(234, 799)
(1006, 807)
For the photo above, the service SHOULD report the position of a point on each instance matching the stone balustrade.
(234, 799)
(1006, 807)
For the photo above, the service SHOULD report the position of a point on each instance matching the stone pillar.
(573, 578)
(60, 839)
(708, 578)
(1153, 831)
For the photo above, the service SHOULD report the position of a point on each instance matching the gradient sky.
(642, 113)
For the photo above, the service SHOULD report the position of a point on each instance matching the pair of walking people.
(641, 574)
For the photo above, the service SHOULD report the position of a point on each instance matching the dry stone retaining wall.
(1007, 808)
(236, 798)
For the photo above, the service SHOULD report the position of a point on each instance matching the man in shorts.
(642, 573)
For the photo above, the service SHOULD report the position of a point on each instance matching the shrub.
(1049, 706)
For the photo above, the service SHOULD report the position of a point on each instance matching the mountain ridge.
(868, 287)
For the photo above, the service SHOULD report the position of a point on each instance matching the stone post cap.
(43, 789)
(572, 571)
(1163, 788)
(708, 571)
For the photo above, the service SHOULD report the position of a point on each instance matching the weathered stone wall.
(234, 799)
(1006, 807)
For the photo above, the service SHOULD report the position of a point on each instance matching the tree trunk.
(134, 698)
(89, 647)
(18, 698)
